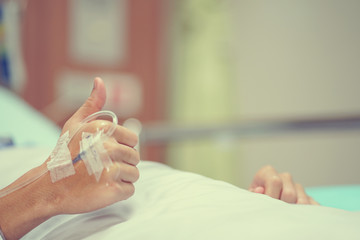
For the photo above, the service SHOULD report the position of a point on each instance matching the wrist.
(28, 207)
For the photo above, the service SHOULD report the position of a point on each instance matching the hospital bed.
(171, 204)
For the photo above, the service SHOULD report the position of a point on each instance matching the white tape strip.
(94, 154)
(60, 164)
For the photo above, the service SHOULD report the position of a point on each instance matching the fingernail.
(95, 83)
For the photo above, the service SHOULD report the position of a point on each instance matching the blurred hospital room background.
(221, 87)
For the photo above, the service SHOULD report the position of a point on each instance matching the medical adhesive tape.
(92, 151)
(60, 164)
(94, 154)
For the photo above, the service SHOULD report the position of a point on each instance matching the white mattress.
(170, 204)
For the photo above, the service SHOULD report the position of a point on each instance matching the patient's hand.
(81, 192)
(26, 208)
(279, 186)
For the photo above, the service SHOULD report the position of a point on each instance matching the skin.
(26, 208)
(279, 186)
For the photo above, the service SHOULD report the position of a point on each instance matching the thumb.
(94, 103)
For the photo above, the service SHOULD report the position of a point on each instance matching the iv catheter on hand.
(92, 117)
(80, 155)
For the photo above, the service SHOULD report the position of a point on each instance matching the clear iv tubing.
(88, 119)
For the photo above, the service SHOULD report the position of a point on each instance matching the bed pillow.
(23, 124)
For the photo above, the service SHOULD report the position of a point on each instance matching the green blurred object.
(202, 87)
(345, 197)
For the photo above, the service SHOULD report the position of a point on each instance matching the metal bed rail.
(161, 133)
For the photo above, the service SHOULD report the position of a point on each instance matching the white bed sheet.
(170, 204)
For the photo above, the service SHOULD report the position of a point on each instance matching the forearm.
(26, 208)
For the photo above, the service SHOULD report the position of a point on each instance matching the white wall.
(299, 59)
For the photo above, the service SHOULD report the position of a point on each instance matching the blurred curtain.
(203, 86)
